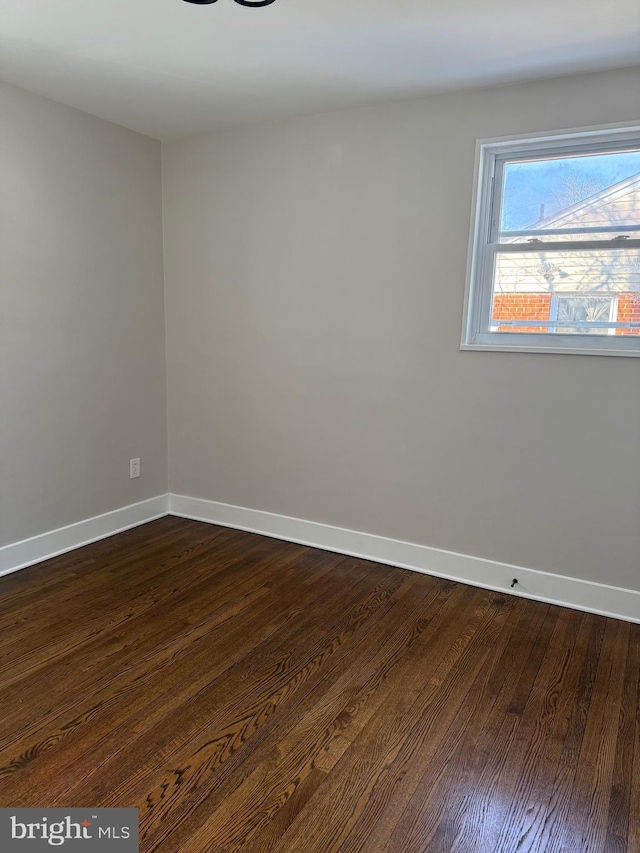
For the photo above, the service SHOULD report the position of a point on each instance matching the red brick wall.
(628, 312)
(537, 306)
(521, 306)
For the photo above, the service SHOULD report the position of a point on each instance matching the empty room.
(320, 426)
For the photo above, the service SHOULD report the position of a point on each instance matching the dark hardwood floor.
(254, 695)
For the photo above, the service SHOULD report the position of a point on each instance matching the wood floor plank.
(106, 615)
(514, 813)
(455, 769)
(480, 760)
(557, 827)
(253, 695)
(132, 697)
(533, 793)
(413, 722)
(620, 804)
(414, 803)
(592, 791)
(225, 715)
(334, 711)
(117, 656)
(330, 725)
(634, 783)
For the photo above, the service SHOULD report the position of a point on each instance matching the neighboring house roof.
(617, 204)
(576, 271)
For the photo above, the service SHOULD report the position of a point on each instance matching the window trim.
(491, 155)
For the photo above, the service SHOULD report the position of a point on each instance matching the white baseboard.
(19, 555)
(540, 586)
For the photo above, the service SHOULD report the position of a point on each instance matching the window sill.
(629, 349)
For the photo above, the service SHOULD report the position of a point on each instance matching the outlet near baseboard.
(134, 468)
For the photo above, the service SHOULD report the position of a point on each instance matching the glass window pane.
(575, 313)
(581, 197)
(593, 292)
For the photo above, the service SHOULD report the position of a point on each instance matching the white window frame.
(491, 155)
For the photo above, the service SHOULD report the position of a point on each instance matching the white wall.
(82, 359)
(314, 273)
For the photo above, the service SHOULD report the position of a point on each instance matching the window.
(574, 314)
(555, 257)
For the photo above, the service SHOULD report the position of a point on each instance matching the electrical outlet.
(134, 468)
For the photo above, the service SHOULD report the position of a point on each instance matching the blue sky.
(558, 183)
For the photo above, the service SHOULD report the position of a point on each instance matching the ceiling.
(166, 67)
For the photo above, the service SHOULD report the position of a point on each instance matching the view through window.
(562, 250)
(567, 200)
